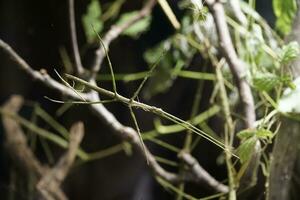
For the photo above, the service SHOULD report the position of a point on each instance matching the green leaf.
(289, 52)
(287, 80)
(113, 9)
(92, 18)
(265, 81)
(260, 134)
(264, 134)
(163, 78)
(137, 28)
(127, 148)
(153, 54)
(245, 150)
(244, 134)
(178, 52)
(285, 11)
(289, 102)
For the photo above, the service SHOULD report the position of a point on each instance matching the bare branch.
(41, 75)
(201, 175)
(50, 183)
(238, 70)
(17, 147)
(124, 132)
(79, 70)
(115, 31)
(237, 12)
(237, 67)
(16, 143)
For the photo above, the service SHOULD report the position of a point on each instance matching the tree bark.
(285, 151)
(283, 160)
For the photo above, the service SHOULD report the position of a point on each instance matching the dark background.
(37, 30)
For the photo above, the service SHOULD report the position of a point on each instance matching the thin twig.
(109, 62)
(148, 108)
(19, 150)
(237, 12)
(126, 133)
(79, 70)
(16, 141)
(41, 75)
(238, 70)
(115, 31)
(150, 72)
(237, 67)
(199, 172)
(51, 181)
(169, 13)
(189, 137)
(229, 131)
(139, 132)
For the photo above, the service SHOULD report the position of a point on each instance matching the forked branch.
(50, 180)
(124, 132)
(115, 32)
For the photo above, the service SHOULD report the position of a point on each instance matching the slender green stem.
(52, 122)
(169, 13)
(105, 153)
(43, 133)
(141, 75)
(57, 139)
(164, 144)
(196, 120)
(47, 150)
(68, 85)
(80, 102)
(195, 108)
(109, 62)
(189, 136)
(139, 132)
(30, 134)
(62, 109)
(166, 161)
(136, 93)
(174, 189)
(229, 132)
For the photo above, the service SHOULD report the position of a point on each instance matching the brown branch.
(50, 179)
(237, 67)
(124, 132)
(16, 143)
(115, 32)
(79, 70)
(130, 135)
(238, 70)
(234, 7)
(17, 147)
(41, 75)
(201, 175)
(50, 183)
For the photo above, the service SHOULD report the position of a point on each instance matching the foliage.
(92, 18)
(249, 139)
(285, 13)
(136, 29)
(289, 52)
(260, 50)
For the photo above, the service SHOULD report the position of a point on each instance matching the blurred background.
(38, 31)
